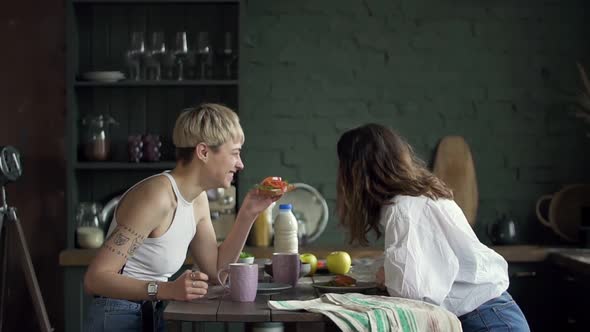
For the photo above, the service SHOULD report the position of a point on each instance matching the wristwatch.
(152, 290)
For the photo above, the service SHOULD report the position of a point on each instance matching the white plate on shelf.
(103, 76)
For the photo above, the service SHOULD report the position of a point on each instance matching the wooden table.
(218, 307)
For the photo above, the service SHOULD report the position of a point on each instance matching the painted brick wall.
(486, 70)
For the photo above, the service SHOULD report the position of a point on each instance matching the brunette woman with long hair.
(431, 253)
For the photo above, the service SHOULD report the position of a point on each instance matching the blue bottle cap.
(285, 207)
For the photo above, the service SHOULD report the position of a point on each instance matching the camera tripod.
(10, 228)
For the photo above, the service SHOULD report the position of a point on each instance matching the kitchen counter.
(518, 253)
(575, 260)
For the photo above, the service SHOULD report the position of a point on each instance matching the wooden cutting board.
(453, 164)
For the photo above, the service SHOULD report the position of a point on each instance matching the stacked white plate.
(103, 76)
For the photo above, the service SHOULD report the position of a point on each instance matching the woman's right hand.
(189, 286)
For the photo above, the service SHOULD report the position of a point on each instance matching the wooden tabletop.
(513, 254)
(218, 307)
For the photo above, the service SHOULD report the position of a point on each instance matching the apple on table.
(312, 260)
(338, 262)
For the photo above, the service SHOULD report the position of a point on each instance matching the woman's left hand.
(254, 202)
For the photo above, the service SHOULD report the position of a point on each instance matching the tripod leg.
(4, 242)
(30, 276)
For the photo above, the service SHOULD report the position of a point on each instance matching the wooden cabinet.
(534, 288)
(98, 39)
(98, 34)
(573, 300)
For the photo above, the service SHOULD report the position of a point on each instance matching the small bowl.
(246, 260)
(305, 269)
(268, 268)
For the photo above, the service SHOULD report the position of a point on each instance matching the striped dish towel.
(360, 312)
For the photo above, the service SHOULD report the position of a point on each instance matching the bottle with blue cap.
(285, 229)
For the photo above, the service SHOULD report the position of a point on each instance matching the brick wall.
(486, 70)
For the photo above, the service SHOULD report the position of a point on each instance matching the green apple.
(312, 260)
(338, 262)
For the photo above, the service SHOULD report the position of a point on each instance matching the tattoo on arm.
(115, 251)
(134, 245)
(115, 231)
(119, 239)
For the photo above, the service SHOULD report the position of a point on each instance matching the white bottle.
(285, 227)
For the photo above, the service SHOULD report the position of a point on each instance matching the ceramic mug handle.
(542, 219)
(226, 270)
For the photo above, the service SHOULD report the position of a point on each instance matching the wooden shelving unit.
(97, 38)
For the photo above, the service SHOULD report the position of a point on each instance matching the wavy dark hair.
(375, 165)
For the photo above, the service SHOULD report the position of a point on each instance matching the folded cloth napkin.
(360, 312)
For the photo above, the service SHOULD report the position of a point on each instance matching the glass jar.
(89, 226)
(97, 144)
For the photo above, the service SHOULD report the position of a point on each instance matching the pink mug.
(286, 267)
(242, 281)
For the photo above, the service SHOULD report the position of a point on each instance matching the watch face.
(152, 288)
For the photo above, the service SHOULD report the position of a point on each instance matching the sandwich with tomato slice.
(273, 186)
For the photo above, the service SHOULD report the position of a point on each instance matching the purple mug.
(286, 267)
(243, 281)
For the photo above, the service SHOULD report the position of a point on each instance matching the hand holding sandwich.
(265, 193)
(273, 186)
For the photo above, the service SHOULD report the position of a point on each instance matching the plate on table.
(268, 288)
(359, 287)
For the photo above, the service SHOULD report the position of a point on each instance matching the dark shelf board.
(139, 84)
(154, 1)
(107, 165)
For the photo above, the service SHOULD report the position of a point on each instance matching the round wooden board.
(565, 212)
(453, 164)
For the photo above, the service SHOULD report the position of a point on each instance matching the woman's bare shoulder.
(155, 192)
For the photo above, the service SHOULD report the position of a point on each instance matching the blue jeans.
(116, 315)
(497, 315)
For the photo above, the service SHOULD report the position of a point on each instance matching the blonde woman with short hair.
(162, 217)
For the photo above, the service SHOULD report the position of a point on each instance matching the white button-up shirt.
(433, 255)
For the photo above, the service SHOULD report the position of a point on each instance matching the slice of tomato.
(275, 182)
(271, 180)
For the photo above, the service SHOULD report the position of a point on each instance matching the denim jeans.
(497, 315)
(116, 315)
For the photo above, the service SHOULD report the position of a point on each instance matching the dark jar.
(97, 145)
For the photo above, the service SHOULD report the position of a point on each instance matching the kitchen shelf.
(97, 37)
(163, 83)
(163, 165)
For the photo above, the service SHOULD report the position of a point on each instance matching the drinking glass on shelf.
(155, 56)
(204, 56)
(180, 53)
(135, 54)
(228, 56)
(168, 65)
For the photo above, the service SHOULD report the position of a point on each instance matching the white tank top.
(159, 258)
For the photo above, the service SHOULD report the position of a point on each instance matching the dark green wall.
(429, 68)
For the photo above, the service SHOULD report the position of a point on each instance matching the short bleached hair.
(212, 124)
